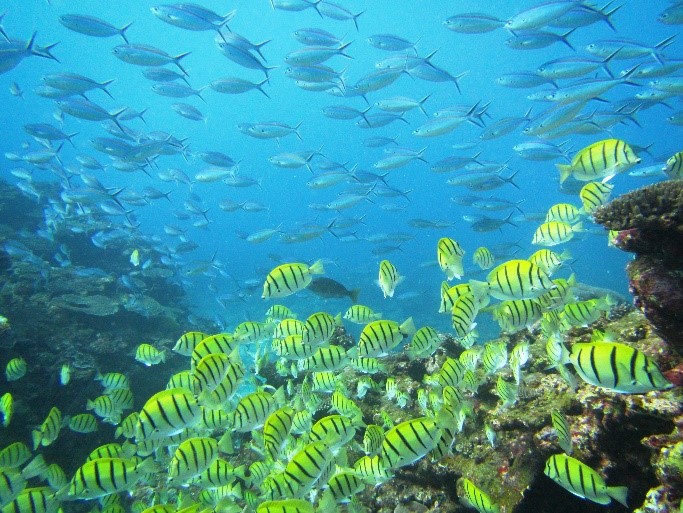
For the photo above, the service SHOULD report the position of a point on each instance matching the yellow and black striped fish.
(344, 485)
(188, 341)
(330, 358)
(378, 338)
(83, 423)
(449, 295)
(192, 457)
(14, 455)
(674, 166)
(34, 500)
(16, 369)
(49, 429)
(476, 498)
(514, 279)
(408, 442)
(565, 212)
(276, 429)
(306, 466)
(361, 314)
(553, 233)
(167, 413)
(483, 258)
(286, 506)
(602, 159)
(286, 279)
(253, 409)
(334, 430)
(279, 313)
(372, 439)
(319, 327)
(449, 256)
(561, 426)
(617, 367)
(581, 480)
(388, 278)
(104, 476)
(213, 344)
(209, 372)
(594, 195)
(423, 344)
(516, 314)
(287, 327)
(463, 314)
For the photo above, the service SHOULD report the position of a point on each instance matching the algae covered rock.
(649, 223)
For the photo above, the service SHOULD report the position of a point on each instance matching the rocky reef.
(649, 223)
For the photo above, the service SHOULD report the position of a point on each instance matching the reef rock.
(649, 223)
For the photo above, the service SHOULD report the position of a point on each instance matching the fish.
(409, 442)
(389, 278)
(449, 255)
(135, 258)
(329, 288)
(561, 427)
(602, 159)
(476, 498)
(92, 26)
(16, 369)
(104, 476)
(594, 195)
(49, 429)
(516, 314)
(287, 279)
(186, 344)
(253, 409)
(616, 367)
(380, 337)
(674, 166)
(483, 257)
(192, 457)
(167, 413)
(582, 481)
(361, 314)
(146, 55)
(463, 314)
(565, 212)
(514, 279)
(149, 355)
(65, 375)
(83, 423)
(6, 410)
(548, 260)
(425, 341)
(553, 233)
(584, 313)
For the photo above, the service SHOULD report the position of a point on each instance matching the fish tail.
(354, 295)
(565, 171)
(122, 32)
(618, 493)
(176, 61)
(317, 267)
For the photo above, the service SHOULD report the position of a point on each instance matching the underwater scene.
(341, 256)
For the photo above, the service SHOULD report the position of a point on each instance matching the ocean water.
(229, 292)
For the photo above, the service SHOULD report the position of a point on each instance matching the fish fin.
(408, 326)
(317, 268)
(565, 171)
(618, 493)
(480, 289)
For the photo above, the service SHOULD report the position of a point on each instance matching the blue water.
(484, 56)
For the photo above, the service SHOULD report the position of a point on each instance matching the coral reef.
(649, 222)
